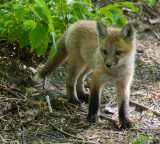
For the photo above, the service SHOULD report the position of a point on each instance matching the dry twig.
(49, 104)
(63, 132)
(145, 108)
(9, 91)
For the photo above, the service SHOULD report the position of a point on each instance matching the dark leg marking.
(94, 105)
(73, 98)
(124, 117)
(83, 95)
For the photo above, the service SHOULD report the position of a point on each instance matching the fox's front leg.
(123, 94)
(94, 99)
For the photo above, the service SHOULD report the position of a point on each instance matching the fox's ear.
(127, 32)
(102, 30)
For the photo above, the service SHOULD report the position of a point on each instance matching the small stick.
(22, 135)
(109, 119)
(45, 83)
(145, 108)
(75, 106)
(63, 132)
(7, 90)
(49, 104)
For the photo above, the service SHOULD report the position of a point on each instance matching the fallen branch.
(145, 108)
(63, 132)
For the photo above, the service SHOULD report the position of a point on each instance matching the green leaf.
(121, 21)
(44, 14)
(9, 24)
(51, 28)
(41, 3)
(78, 12)
(2, 30)
(54, 38)
(20, 13)
(38, 34)
(115, 16)
(118, 19)
(109, 16)
(130, 5)
(41, 49)
(53, 51)
(29, 24)
(24, 39)
(13, 34)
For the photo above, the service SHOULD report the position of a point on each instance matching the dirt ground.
(24, 110)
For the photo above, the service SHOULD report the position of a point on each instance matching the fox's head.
(117, 46)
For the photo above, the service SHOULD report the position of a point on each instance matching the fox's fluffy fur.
(109, 53)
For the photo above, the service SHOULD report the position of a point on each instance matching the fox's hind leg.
(81, 92)
(76, 67)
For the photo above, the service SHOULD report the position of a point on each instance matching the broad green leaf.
(109, 16)
(41, 3)
(44, 14)
(29, 24)
(2, 30)
(41, 49)
(24, 39)
(118, 19)
(9, 24)
(130, 5)
(115, 16)
(13, 34)
(110, 7)
(121, 21)
(78, 13)
(38, 34)
(20, 13)
(51, 28)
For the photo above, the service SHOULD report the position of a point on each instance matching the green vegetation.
(141, 139)
(150, 2)
(38, 22)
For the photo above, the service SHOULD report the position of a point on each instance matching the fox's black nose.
(108, 65)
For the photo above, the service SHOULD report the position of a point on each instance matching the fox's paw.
(126, 124)
(93, 118)
(84, 96)
(75, 102)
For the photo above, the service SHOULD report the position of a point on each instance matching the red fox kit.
(109, 53)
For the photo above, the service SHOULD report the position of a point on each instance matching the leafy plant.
(141, 139)
(38, 22)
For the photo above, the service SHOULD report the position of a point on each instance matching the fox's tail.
(56, 61)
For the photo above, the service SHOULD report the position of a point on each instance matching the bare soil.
(24, 111)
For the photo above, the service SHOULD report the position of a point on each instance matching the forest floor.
(24, 111)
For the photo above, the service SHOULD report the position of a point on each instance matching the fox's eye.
(105, 52)
(118, 52)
